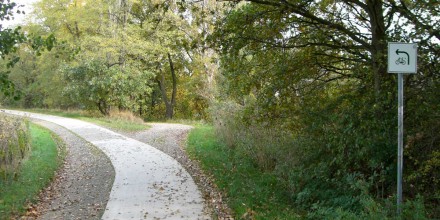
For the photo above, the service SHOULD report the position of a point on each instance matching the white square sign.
(402, 57)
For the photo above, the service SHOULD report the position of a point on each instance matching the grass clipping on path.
(36, 172)
(251, 192)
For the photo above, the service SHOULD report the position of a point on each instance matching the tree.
(169, 104)
(9, 37)
(316, 71)
(96, 37)
(168, 35)
(355, 31)
(10, 40)
(98, 85)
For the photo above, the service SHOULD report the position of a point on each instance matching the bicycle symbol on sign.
(401, 61)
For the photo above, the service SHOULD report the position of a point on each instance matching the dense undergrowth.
(335, 158)
(254, 192)
(313, 106)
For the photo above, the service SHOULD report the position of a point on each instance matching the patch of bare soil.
(171, 139)
(81, 188)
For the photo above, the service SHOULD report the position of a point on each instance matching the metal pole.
(400, 142)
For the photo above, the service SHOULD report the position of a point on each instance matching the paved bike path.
(148, 183)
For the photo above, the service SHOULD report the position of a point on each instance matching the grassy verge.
(36, 172)
(252, 193)
(118, 121)
(118, 124)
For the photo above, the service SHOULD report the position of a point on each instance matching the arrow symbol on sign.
(399, 52)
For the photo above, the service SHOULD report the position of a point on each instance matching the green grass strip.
(108, 122)
(117, 124)
(252, 193)
(36, 172)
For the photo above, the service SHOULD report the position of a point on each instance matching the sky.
(20, 18)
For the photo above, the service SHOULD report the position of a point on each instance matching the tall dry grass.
(14, 144)
(268, 145)
(125, 115)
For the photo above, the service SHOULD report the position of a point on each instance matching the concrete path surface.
(148, 183)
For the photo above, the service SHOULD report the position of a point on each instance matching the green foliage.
(10, 41)
(9, 38)
(384, 209)
(6, 10)
(304, 76)
(35, 173)
(7, 87)
(129, 42)
(96, 85)
(254, 193)
(347, 152)
(422, 144)
(338, 181)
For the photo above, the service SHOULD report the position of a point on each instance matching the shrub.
(335, 155)
(14, 144)
(264, 143)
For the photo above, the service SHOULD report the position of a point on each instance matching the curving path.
(148, 183)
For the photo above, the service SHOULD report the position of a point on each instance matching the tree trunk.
(169, 104)
(378, 43)
(173, 75)
(103, 107)
(163, 92)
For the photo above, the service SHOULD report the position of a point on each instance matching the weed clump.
(14, 145)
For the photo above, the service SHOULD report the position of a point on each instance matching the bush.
(422, 146)
(347, 150)
(266, 144)
(336, 155)
(14, 144)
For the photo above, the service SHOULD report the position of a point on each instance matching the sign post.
(402, 58)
